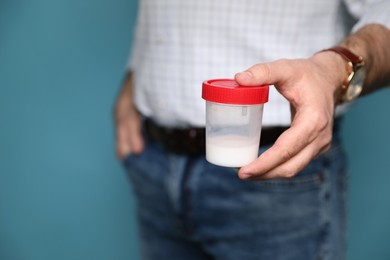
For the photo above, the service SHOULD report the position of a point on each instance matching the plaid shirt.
(180, 43)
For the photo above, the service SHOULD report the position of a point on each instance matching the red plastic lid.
(227, 91)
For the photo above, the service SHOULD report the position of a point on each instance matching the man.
(190, 209)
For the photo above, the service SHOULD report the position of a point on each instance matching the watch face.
(356, 84)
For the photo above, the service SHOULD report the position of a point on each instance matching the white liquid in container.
(231, 150)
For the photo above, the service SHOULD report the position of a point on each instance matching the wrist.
(355, 76)
(335, 68)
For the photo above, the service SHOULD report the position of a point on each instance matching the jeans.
(189, 209)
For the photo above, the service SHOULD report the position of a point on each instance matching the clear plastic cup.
(233, 121)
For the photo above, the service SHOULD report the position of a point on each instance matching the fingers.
(123, 146)
(288, 145)
(129, 137)
(291, 167)
(292, 152)
(264, 73)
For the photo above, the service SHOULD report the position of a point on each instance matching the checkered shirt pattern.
(180, 43)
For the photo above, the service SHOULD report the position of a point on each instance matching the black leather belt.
(193, 140)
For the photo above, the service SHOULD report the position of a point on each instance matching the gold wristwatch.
(356, 74)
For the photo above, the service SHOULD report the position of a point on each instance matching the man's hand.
(127, 122)
(312, 88)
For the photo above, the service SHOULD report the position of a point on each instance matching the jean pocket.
(312, 177)
(304, 182)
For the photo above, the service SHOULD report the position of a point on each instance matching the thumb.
(263, 73)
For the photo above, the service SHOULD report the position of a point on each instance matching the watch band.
(353, 61)
(347, 54)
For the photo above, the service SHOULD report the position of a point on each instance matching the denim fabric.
(190, 209)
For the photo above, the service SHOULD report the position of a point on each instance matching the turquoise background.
(63, 195)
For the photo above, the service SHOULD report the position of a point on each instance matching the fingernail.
(245, 74)
(248, 74)
(244, 174)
